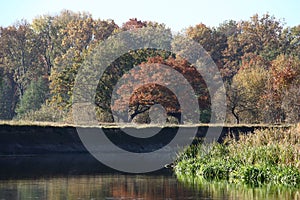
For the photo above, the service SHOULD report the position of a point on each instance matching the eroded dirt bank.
(33, 139)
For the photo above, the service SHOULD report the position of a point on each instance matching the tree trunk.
(235, 115)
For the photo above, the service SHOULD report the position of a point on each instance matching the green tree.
(34, 96)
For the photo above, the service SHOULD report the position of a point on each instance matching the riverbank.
(269, 156)
(28, 138)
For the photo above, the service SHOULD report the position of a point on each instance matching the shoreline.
(48, 138)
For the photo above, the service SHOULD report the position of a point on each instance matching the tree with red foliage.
(133, 24)
(141, 100)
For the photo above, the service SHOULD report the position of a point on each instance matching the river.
(80, 176)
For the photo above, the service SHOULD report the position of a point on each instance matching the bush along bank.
(270, 156)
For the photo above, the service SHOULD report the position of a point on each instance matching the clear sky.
(175, 14)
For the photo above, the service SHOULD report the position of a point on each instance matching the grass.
(23, 122)
(32, 123)
(268, 156)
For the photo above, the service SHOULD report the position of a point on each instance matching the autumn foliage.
(152, 93)
(259, 60)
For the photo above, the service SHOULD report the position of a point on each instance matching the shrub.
(267, 156)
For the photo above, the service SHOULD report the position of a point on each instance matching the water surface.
(58, 177)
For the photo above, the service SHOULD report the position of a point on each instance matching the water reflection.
(82, 177)
(129, 187)
(97, 187)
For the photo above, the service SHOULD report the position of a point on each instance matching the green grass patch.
(268, 156)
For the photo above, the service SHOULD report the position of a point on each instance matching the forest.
(259, 61)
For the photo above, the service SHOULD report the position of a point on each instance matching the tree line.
(258, 60)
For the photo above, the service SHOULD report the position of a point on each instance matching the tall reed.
(263, 157)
